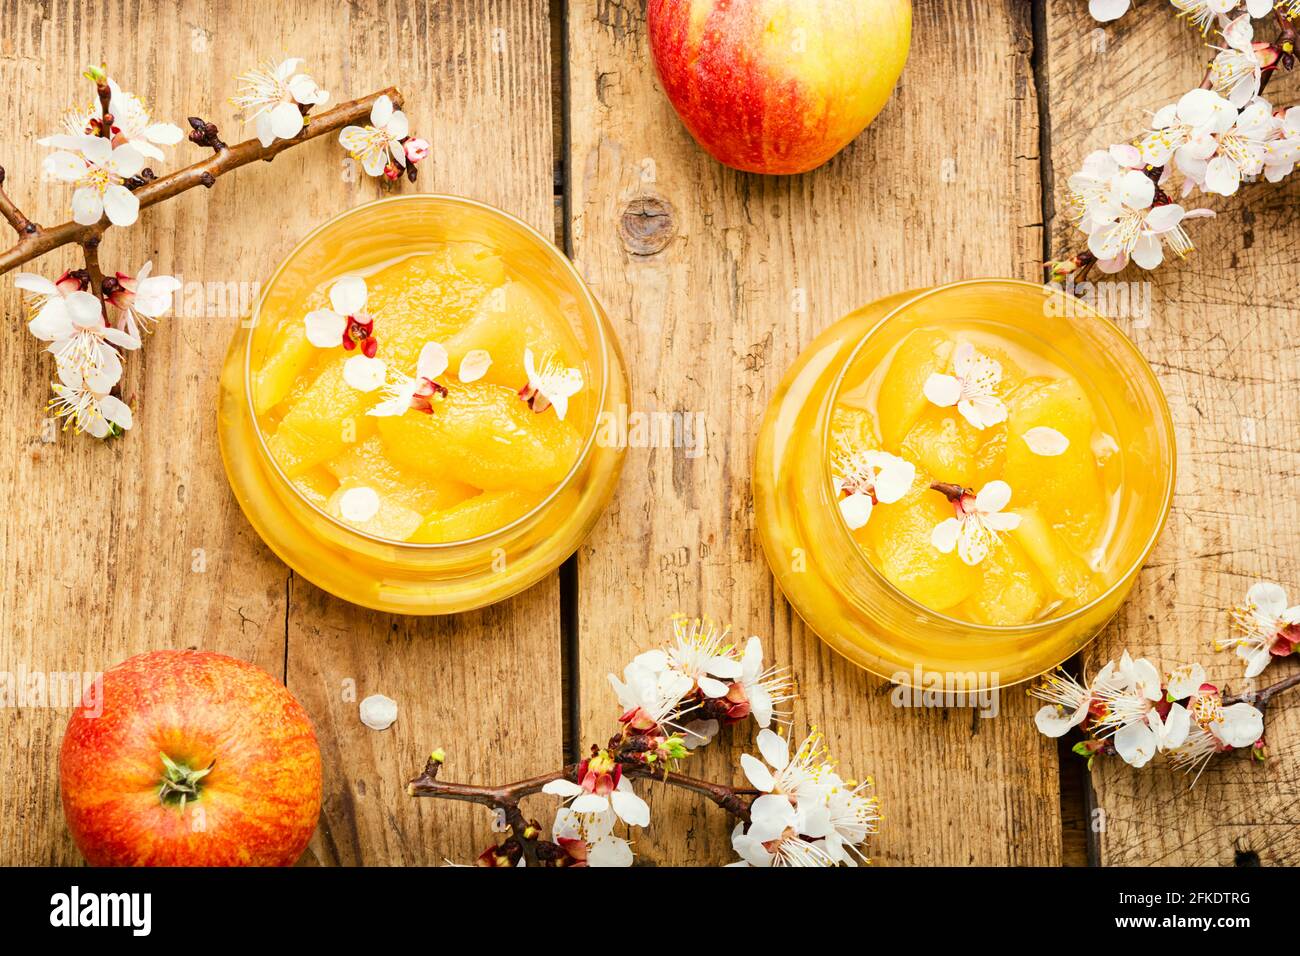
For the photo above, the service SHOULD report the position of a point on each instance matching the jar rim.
(590, 308)
(1167, 429)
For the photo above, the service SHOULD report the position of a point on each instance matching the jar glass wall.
(403, 576)
(823, 569)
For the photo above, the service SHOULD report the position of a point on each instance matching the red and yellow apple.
(778, 86)
(189, 758)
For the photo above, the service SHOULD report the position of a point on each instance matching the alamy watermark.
(626, 428)
(1118, 301)
(977, 690)
(25, 688)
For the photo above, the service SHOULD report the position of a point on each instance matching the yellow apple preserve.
(409, 417)
(963, 483)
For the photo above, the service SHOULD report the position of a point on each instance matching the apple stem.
(180, 784)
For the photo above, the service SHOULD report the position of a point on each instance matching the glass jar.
(396, 576)
(823, 571)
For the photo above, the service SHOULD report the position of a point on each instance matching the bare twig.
(13, 215)
(1260, 698)
(37, 242)
(507, 796)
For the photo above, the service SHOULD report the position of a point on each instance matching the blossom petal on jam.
(365, 374)
(1045, 441)
(348, 295)
(474, 365)
(432, 361)
(359, 504)
(943, 390)
(325, 328)
(856, 510)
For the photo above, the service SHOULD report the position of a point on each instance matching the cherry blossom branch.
(1261, 698)
(1273, 56)
(13, 215)
(735, 800)
(36, 241)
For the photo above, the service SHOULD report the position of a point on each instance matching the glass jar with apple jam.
(409, 418)
(964, 481)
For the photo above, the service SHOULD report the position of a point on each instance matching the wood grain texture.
(98, 556)
(1221, 339)
(709, 325)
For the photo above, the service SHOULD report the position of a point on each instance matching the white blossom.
(863, 478)
(551, 384)
(142, 298)
(373, 145)
(1265, 627)
(272, 96)
(978, 521)
(99, 169)
(972, 387)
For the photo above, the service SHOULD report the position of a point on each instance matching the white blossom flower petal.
(562, 788)
(359, 504)
(365, 374)
(942, 390)
(325, 328)
(378, 712)
(712, 688)
(63, 165)
(1046, 441)
(590, 803)
(856, 510)
(87, 206)
(1267, 598)
(944, 535)
(122, 205)
(757, 773)
(1107, 10)
(1054, 721)
(609, 851)
(994, 496)
(432, 361)
(774, 748)
(1135, 743)
(770, 815)
(116, 411)
(474, 365)
(1240, 725)
(348, 295)
(286, 121)
(630, 808)
(381, 111)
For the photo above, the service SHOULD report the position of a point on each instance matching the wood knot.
(647, 226)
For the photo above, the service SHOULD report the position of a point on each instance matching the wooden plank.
(98, 556)
(486, 685)
(102, 544)
(708, 326)
(1221, 339)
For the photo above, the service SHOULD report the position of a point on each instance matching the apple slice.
(944, 446)
(288, 357)
(391, 519)
(902, 400)
(1062, 569)
(329, 415)
(510, 319)
(485, 436)
(1064, 485)
(475, 516)
(367, 463)
(899, 536)
(1011, 590)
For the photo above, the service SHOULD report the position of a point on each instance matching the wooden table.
(553, 112)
